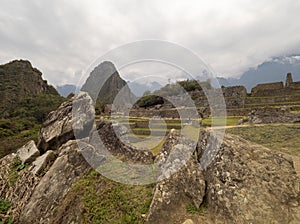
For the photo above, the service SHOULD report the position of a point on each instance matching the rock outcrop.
(239, 183)
(35, 189)
(267, 115)
(28, 153)
(108, 136)
(183, 188)
(73, 118)
(248, 183)
(67, 168)
(40, 164)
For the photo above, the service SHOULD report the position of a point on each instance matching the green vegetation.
(150, 100)
(221, 121)
(181, 87)
(284, 138)
(25, 101)
(192, 85)
(295, 111)
(7, 222)
(192, 209)
(155, 144)
(191, 132)
(4, 206)
(156, 149)
(174, 89)
(37, 107)
(99, 106)
(105, 201)
(25, 120)
(15, 167)
(15, 136)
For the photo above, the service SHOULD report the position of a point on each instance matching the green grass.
(192, 209)
(191, 132)
(295, 111)
(138, 135)
(284, 138)
(14, 168)
(4, 206)
(7, 222)
(153, 144)
(105, 201)
(221, 121)
(155, 150)
(11, 143)
(148, 129)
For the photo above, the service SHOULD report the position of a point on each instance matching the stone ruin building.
(238, 101)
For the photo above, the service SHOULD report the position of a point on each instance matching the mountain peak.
(106, 67)
(104, 83)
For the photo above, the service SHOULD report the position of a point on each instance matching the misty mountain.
(65, 90)
(274, 70)
(138, 89)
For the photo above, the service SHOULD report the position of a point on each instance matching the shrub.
(150, 100)
(5, 133)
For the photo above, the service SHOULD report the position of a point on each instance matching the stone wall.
(295, 85)
(267, 89)
(235, 96)
(284, 99)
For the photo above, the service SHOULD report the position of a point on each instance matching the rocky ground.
(268, 115)
(243, 182)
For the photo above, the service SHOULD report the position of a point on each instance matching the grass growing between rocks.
(283, 138)
(15, 167)
(192, 209)
(4, 206)
(105, 201)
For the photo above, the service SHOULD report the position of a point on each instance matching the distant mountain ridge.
(67, 89)
(139, 88)
(274, 70)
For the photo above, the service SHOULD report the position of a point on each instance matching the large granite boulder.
(54, 185)
(248, 183)
(73, 118)
(42, 162)
(181, 181)
(106, 140)
(28, 152)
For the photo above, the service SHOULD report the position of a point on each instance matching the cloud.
(63, 37)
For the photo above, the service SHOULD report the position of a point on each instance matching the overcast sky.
(63, 37)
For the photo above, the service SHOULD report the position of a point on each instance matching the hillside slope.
(25, 101)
